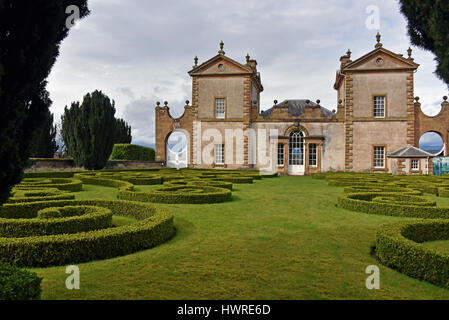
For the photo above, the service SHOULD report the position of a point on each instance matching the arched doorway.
(296, 154)
(433, 143)
(177, 150)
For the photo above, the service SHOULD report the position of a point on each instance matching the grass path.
(279, 238)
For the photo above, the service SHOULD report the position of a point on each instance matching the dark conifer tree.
(30, 34)
(122, 132)
(43, 141)
(88, 130)
(428, 27)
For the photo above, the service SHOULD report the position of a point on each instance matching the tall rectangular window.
(313, 159)
(379, 106)
(220, 108)
(379, 157)
(415, 165)
(219, 153)
(281, 154)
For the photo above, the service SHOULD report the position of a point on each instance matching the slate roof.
(297, 107)
(410, 152)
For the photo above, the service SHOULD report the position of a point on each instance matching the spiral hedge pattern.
(399, 245)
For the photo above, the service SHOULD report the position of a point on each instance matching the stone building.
(376, 115)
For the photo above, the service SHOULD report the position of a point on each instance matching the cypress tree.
(30, 34)
(43, 141)
(88, 130)
(428, 28)
(122, 132)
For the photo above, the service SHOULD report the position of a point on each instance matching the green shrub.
(17, 284)
(132, 152)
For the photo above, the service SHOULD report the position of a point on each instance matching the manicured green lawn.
(279, 238)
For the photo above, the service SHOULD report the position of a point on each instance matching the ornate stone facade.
(375, 115)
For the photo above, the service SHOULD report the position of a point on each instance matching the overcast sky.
(139, 51)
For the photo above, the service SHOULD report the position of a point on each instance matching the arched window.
(296, 149)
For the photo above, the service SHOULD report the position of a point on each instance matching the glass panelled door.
(296, 154)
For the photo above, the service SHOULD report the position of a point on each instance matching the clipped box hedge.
(18, 284)
(132, 152)
(72, 185)
(51, 221)
(398, 246)
(154, 227)
(363, 202)
(39, 195)
(180, 194)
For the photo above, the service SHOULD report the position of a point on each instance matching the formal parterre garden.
(216, 234)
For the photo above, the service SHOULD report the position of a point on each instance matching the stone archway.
(177, 149)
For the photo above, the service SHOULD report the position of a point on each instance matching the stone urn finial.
(221, 48)
(378, 37)
(196, 62)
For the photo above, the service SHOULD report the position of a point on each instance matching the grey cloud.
(145, 48)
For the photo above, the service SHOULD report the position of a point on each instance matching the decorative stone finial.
(409, 51)
(340, 101)
(334, 111)
(307, 101)
(247, 58)
(318, 102)
(166, 103)
(196, 61)
(417, 99)
(445, 98)
(221, 48)
(187, 102)
(158, 103)
(275, 103)
(349, 54)
(378, 37)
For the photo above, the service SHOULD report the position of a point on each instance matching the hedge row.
(51, 221)
(72, 185)
(399, 246)
(18, 284)
(121, 185)
(154, 227)
(39, 195)
(199, 183)
(180, 194)
(132, 152)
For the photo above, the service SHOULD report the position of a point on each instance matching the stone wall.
(69, 165)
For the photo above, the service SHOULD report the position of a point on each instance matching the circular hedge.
(72, 185)
(54, 220)
(154, 227)
(399, 246)
(392, 204)
(180, 194)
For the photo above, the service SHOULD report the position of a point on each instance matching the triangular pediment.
(220, 64)
(381, 59)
